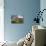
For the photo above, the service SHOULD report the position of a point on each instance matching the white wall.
(1, 20)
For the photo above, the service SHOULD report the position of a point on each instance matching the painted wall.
(27, 8)
(1, 20)
(43, 6)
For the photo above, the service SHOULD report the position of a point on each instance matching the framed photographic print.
(17, 19)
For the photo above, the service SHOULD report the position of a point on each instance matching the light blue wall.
(43, 6)
(27, 8)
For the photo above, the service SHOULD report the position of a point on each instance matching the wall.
(43, 6)
(1, 20)
(27, 8)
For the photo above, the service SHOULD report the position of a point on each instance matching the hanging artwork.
(17, 19)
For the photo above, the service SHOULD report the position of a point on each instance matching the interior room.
(22, 23)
